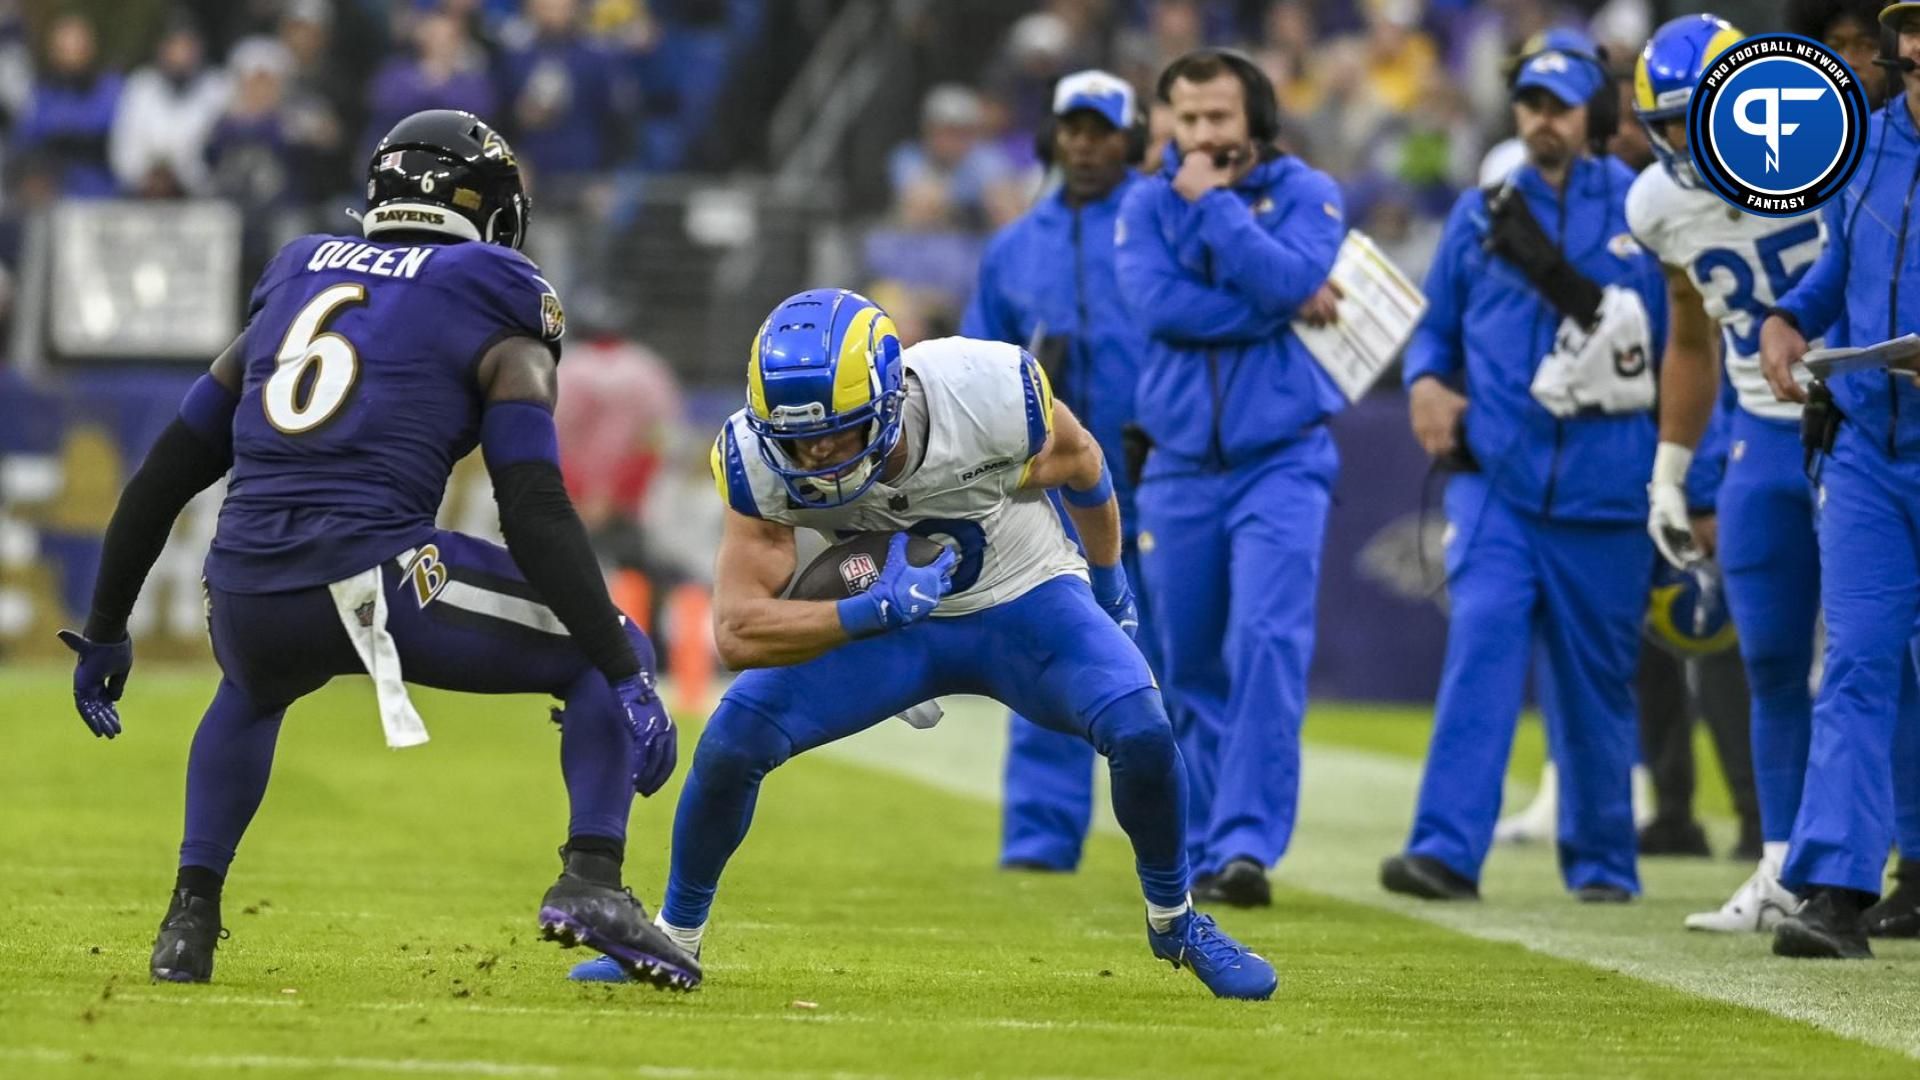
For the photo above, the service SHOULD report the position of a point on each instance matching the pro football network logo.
(1777, 125)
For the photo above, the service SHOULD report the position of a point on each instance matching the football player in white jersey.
(959, 441)
(1726, 267)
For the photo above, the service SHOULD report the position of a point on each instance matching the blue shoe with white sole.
(1228, 968)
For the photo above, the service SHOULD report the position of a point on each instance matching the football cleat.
(598, 969)
(1425, 877)
(1241, 883)
(1898, 913)
(191, 930)
(1228, 968)
(1827, 927)
(609, 920)
(1757, 906)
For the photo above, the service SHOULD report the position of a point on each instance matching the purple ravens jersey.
(360, 394)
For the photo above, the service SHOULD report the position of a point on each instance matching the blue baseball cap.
(1572, 78)
(1102, 92)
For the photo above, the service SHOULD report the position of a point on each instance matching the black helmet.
(446, 171)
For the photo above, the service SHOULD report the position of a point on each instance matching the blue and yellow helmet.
(824, 362)
(1665, 75)
(1687, 611)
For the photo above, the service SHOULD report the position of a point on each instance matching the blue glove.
(1115, 596)
(99, 678)
(904, 594)
(656, 743)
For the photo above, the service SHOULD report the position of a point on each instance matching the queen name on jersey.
(1740, 263)
(976, 412)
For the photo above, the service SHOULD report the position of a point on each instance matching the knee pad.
(739, 745)
(1135, 732)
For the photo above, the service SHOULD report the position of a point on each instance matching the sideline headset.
(1603, 106)
(1262, 103)
(1136, 130)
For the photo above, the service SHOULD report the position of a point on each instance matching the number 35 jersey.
(360, 395)
(1741, 263)
(987, 411)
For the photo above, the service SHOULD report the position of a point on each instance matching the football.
(848, 567)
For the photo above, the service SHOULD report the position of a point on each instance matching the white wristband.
(1670, 464)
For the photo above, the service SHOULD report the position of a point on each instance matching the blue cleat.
(598, 969)
(1228, 968)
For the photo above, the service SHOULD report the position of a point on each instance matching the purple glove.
(656, 743)
(99, 677)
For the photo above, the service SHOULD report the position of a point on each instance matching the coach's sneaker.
(191, 930)
(1756, 907)
(1228, 968)
(1827, 927)
(1425, 877)
(586, 910)
(1241, 883)
(1898, 913)
(1538, 821)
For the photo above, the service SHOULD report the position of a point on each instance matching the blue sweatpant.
(1050, 654)
(1048, 800)
(1231, 561)
(1581, 590)
(1870, 597)
(463, 618)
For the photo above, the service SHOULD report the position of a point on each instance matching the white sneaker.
(1756, 907)
(1538, 822)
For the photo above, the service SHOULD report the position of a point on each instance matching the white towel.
(361, 602)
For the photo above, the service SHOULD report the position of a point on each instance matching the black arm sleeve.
(1517, 237)
(180, 466)
(550, 547)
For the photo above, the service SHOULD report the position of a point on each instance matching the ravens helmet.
(826, 361)
(446, 171)
(1687, 611)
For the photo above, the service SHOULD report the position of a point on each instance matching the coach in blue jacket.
(1864, 288)
(1047, 285)
(1216, 255)
(1544, 316)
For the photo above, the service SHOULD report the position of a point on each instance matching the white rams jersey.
(1741, 263)
(989, 411)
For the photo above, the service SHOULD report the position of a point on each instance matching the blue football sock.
(737, 750)
(1149, 791)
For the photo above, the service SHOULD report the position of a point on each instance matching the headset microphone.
(1895, 63)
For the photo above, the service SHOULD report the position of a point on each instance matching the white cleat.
(1756, 907)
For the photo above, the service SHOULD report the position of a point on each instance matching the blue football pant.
(1231, 562)
(1870, 596)
(1049, 774)
(1051, 654)
(1581, 590)
(463, 618)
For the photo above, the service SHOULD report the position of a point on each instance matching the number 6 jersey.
(1741, 263)
(360, 394)
(976, 413)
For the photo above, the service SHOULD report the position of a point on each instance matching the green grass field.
(382, 920)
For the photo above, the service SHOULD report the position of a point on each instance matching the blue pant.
(1050, 654)
(1231, 562)
(1870, 596)
(1582, 591)
(1771, 561)
(1049, 774)
(462, 618)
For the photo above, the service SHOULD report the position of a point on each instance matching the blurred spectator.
(1019, 80)
(1173, 27)
(1400, 58)
(619, 406)
(558, 88)
(70, 110)
(321, 98)
(446, 71)
(249, 151)
(159, 141)
(952, 177)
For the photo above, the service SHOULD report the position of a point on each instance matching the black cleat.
(1897, 915)
(1602, 894)
(606, 918)
(1675, 836)
(1241, 883)
(1425, 877)
(1827, 927)
(183, 950)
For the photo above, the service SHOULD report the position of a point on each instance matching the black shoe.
(1897, 915)
(1602, 894)
(1827, 927)
(1241, 883)
(1034, 866)
(605, 917)
(1425, 877)
(1675, 836)
(183, 951)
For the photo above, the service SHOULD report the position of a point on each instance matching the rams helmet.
(826, 361)
(1665, 75)
(1687, 610)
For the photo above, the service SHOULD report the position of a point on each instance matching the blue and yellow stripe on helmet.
(1664, 78)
